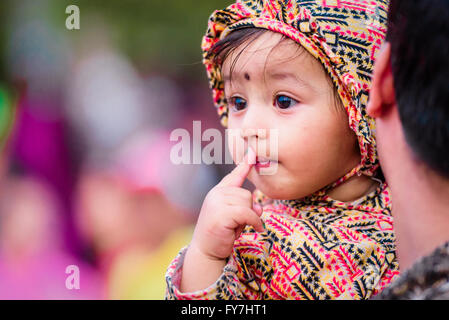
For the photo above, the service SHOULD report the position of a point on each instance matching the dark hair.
(225, 47)
(418, 32)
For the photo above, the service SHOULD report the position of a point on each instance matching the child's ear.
(382, 95)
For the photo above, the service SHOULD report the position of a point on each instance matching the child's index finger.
(237, 176)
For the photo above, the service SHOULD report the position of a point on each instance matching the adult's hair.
(418, 32)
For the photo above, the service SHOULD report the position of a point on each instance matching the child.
(320, 227)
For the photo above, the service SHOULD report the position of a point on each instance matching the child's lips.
(262, 162)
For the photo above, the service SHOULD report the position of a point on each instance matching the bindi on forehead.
(227, 77)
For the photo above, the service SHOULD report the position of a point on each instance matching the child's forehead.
(270, 45)
(272, 57)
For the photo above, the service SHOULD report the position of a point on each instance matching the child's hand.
(226, 210)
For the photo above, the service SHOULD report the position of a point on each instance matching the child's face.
(278, 87)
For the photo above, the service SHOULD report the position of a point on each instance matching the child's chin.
(276, 191)
(272, 191)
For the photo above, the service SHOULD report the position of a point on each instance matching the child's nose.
(248, 133)
(254, 123)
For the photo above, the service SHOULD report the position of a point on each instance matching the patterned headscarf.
(344, 35)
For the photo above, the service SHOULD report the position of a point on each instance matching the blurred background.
(85, 123)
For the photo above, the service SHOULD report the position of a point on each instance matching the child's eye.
(237, 103)
(284, 102)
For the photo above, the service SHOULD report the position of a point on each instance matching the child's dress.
(316, 247)
(325, 250)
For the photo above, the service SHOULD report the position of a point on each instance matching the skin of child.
(274, 85)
